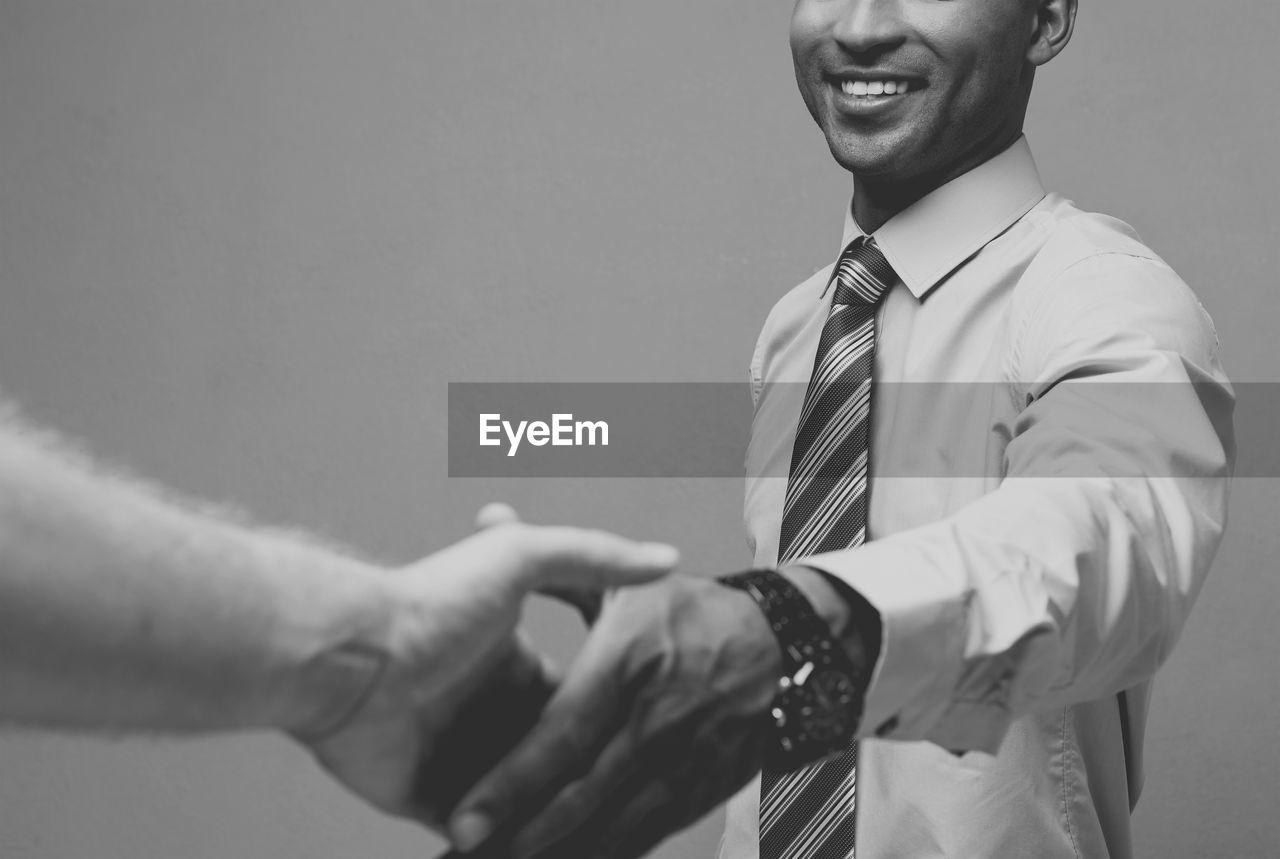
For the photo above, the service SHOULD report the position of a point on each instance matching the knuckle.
(521, 543)
(493, 799)
(568, 745)
(569, 807)
(518, 534)
(564, 815)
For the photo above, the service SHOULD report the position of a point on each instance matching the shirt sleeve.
(1072, 579)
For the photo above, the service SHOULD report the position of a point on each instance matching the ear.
(1051, 29)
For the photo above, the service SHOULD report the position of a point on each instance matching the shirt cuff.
(924, 628)
(861, 628)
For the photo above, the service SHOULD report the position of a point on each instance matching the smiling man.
(967, 578)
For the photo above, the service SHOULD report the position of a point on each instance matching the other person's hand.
(457, 687)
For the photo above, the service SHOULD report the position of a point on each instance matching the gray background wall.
(244, 247)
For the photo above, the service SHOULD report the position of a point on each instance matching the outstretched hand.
(661, 719)
(458, 687)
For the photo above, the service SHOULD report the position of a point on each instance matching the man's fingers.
(492, 718)
(553, 752)
(494, 514)
(677, 778)
(548, 672)
(560, 747)
(621, 809)
(577, 803)
(647, 816)
(578, 557)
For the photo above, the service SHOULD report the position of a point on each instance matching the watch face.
(832, 693)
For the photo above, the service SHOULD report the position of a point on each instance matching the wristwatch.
(819, 702)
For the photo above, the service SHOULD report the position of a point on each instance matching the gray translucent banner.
(702, 429)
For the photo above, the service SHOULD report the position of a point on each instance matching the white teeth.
(864, 88)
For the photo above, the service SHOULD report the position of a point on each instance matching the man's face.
(914, 89)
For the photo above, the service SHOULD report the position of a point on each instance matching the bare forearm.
(123, 610)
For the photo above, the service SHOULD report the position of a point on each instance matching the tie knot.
(862, 273)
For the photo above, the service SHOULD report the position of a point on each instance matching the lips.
(871, 93)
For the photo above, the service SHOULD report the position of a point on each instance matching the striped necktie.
(809, 813)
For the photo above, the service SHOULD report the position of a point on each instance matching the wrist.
(821, 593)
(853, 621)
(329, 644)
(818, 703)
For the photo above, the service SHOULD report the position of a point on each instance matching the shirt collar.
(930, 238)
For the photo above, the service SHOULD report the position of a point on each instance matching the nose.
(869, 27)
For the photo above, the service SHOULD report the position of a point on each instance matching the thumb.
(496, 513)
(560, 559)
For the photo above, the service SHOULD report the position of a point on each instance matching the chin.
(889, 153)
(872, 161)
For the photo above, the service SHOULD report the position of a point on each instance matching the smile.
(872, 94)
(874, 88)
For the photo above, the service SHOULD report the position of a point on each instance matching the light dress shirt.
(1036, 538)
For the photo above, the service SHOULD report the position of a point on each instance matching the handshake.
(123, 610)
(466, 728)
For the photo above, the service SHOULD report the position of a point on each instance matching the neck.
(876, 199)
(875, 202)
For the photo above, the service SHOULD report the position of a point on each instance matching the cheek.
(806, 30)
(995, 85)
(981, 53)
(982, 82)
(808, 78)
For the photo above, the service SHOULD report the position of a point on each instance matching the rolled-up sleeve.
(1071, 580)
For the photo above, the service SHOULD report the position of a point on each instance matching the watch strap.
(819, 702)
